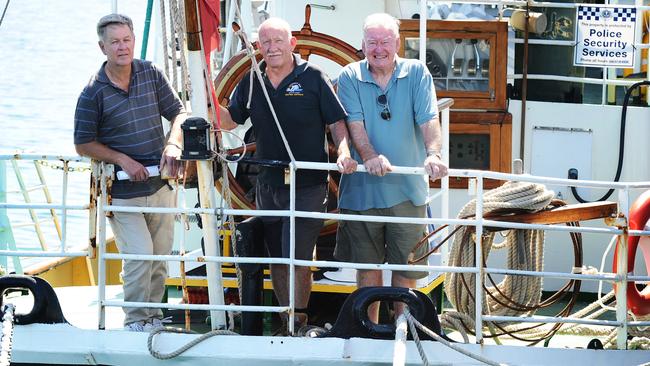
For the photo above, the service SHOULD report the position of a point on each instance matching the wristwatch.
(434, 153)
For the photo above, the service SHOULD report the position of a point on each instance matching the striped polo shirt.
(128, 122)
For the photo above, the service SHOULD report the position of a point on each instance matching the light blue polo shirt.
(412, 102)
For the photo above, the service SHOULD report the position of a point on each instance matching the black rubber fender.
(46, 307)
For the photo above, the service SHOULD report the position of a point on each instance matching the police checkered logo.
(624, 14)
(618, 15)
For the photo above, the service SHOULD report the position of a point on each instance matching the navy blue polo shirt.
(305, 103)
(128, 122)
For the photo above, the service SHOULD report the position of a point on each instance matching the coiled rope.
(525, 252)
(7, 334)
(183, 348)
(514, 295)
(520, 295)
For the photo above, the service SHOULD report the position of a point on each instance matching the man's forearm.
(361, 141)
(175, 133)
(432, 136)
(341, 138)
(98, 151)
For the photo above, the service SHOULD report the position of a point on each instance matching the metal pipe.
(550, 319)
(324, 7)
(145, 33)
(35, 206)
(478, 259)
(101, 245)
(405, 220)
(64, 211)
(292, 247)
(621, 283)
(77, 159)
(220, 308)
(444, 182)
(524, 91)
(423, 31)
(621, 82)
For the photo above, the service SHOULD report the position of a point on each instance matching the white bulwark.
(605, 36)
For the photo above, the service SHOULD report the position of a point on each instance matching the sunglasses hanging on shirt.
(382, 100)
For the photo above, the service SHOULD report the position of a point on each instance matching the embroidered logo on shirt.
(294, 90)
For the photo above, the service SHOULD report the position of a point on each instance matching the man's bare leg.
(398, 280)
(367, 278)
(280, 280)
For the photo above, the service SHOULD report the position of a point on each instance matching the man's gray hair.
(381, 20)
(111, 19)
(276, 23)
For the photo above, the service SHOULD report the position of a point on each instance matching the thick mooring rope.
(525, 252)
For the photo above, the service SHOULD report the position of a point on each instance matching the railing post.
(621, 274)
(7, 240)
(444, 181)
(105, 173)
(478, 257)
(292, 246)
(64, 210)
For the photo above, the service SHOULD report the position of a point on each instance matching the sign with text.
(605, 36)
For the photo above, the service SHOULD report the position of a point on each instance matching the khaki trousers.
(144, 233)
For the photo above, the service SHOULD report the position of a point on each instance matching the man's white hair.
(276, 23)
(381, 20)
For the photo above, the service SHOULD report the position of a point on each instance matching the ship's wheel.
(309, 43)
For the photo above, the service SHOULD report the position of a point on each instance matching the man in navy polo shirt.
(305, 103)
(118, 121)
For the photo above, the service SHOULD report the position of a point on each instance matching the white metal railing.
(620, 278)
(66, 167)
(479, 223)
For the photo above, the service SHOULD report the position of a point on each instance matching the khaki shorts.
(381, 242)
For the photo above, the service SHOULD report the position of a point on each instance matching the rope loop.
(166, 356)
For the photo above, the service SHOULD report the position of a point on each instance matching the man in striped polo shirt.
(118, 121)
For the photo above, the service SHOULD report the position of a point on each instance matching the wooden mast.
(207, 191)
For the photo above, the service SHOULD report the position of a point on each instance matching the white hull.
(64, 344)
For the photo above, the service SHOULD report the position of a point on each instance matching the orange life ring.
(637, 301)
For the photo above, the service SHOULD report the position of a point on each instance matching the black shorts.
(276, 228)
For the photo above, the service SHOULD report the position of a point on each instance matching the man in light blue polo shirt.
(393, 120)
